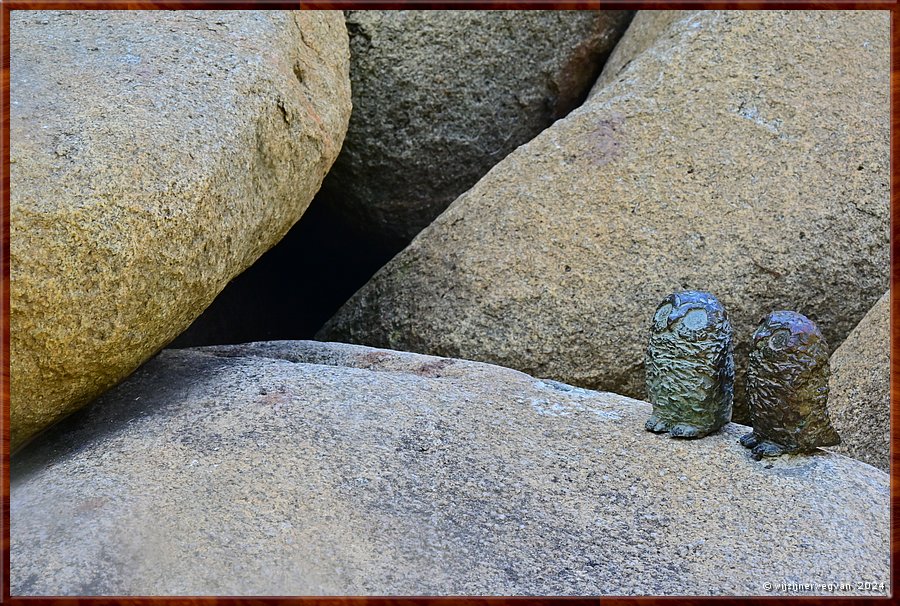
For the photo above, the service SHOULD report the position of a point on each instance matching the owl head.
(784, 335)
(691, 315)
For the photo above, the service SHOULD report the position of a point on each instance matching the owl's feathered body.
(787, 387)
(690, 366)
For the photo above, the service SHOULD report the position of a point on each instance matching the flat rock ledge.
(301, 468)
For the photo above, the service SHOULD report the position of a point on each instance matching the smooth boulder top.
(154, 156)
(300, 468)
(743, 153)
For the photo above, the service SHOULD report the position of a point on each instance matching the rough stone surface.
(860, 388)
(310, 468)
(155, 155)
(722, 158)
(439, 97)
(643, 33)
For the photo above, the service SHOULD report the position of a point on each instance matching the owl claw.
(683, 430)
(766, 449)
(749, 440)
(655, 425)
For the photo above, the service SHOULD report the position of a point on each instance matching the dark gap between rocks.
(295, 287)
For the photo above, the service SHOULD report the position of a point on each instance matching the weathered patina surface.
(787, 387)
(690, 365)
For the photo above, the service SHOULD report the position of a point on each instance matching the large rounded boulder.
(742, 153)
(439, 97)
(302, 468)
(154, 156)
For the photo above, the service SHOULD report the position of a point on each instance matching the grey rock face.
(154, 156)
(694, 168)
(439, 97)
(308, 468)
(860, 388)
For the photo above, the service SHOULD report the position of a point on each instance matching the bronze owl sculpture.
(787, 387)
(690, 366)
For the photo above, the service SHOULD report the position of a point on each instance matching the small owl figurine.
(787, 387)
(690, 366)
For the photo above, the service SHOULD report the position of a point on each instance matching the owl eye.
(695, 319)
(779, 339)
(662, 315)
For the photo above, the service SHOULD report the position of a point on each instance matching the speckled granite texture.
(309, 468)
(154, 156)
(744, 153)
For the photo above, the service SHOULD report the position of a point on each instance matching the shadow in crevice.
(295, 287)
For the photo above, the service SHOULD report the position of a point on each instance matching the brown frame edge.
(8, 5)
